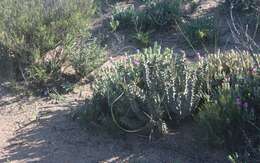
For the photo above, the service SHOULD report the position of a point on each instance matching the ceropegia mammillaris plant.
(143, 91)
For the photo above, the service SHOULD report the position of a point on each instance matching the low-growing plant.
(143, 38)
(200, 31)
(114, 24)
(243, 5)
(56, 96)
(234, 158)
(144, 91)
(164, 13)
(86, 56)
(224, 118)
(6, 63)
(155, 14)
(223, 65)
(230, 121)
(123, 15)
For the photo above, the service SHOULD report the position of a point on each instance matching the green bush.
(230, 117)
(6, 64)
(224, 120)
(142, 38)
(225, 65)
(145, 91)
(86, 56)
(200, 31)
(243, 5)
(154, 15)
(124, 15)
(164, 13)
(232, 121)
(32, 28)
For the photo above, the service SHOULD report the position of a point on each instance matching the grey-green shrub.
(222, 64)
(86, 56)
(124, 15)
(143, 91)
(142, 38)
(164, 13)
(155, 15)
(31, 28)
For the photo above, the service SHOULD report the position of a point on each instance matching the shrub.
(233, 122)
(200, 31)
(224, 66)
(143, 38)
(243, 5)
(230, 117)
(164, 13)
(6, 63)
(123, 15)
(154, 15)
(32, 28)
(224, 120)
(114, 24)
(86, 56)
(144, 91)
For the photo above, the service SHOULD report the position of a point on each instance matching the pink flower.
(227, 78)
(198, 55)
(253, 70)
(112, 59)
(136, 63)
(238, 101)
(245, 105)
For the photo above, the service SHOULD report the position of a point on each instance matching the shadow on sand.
(55, 138)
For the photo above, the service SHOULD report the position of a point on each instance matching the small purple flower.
(112, 60)
(227, 78)
(245, 105)
(253, 70)
(238, 101)
(198, 55)
(136, 63)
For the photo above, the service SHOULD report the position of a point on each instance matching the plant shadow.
(55, 137)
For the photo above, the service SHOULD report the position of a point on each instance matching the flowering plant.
(144, 91)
